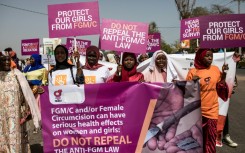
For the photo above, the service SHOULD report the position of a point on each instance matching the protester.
(93, 71)
(127, 71)
(212, 85)
(35, 72)
(6, 52)
(16, 103)
(160, 69)
(64, 73)
(36, 75)
(27, 61)
(142, 57)
(14, 57)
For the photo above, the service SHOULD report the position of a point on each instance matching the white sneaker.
(219, 143)
(227, 140)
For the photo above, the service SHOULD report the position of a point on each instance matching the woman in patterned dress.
(14, 96)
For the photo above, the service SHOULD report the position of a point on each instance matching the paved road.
(236, 116)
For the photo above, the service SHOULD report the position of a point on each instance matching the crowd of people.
(20, 80)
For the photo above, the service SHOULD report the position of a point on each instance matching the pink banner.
(73, 19)
(29, 46)
(82, 45)
(121, 117)
(189, 29)
(123, 36)
(154, 42)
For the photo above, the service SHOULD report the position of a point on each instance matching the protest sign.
(81, 45)
(49, 45)
(154, 42)
(48, 59)
(123, 36)
(222, 31)
(189, 28)
(29, 46)
(73, 19)
(185, 44)
(95, 118)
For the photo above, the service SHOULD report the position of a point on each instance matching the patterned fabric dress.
(13, 136)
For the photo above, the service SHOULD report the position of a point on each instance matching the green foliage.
(166, 47)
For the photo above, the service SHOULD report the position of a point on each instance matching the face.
(5, 63)
(27, 61)
(208, 58)
(92, 58)
(161, 61)
(129, 62)
(143, 57)
(60, 54)
(32, 60)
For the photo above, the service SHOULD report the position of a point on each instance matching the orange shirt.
(209, 97)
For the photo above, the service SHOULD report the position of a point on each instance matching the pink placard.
(29, 46)
(123, 36)
(82, 45)
(190, 29)
(154, 42)
(73, 19)
(222, 31)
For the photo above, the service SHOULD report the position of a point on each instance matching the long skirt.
(209, 128)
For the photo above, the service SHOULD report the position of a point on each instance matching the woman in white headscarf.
(160, 68)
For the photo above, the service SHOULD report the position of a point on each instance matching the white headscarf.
(29, 97)
(153, 74)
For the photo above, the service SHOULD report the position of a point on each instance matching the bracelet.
(79, 68)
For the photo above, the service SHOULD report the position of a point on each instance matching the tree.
(166, 47)
(185, 8)
(200, 11)
(154, 29)
(176, 45)
(218, 9)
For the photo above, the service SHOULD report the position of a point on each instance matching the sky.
(28, 19)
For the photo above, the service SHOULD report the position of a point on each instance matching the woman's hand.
(195, 78)
(225, 67)
(76, 56)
